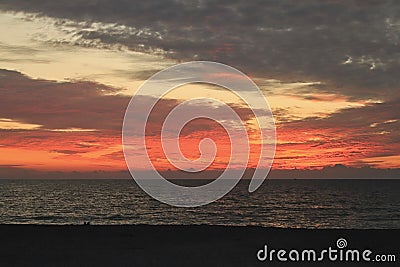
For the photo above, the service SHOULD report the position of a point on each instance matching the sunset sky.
(329, 70)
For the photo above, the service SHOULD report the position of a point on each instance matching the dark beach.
(142, 245)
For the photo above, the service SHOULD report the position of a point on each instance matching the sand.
(30, 245)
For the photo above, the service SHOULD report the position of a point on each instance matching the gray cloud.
(84, 105)
(375, 128)
(60, 105)
(351, 46)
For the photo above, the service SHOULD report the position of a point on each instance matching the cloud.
(79, 106)
(349, 46)
(79, 123)
(60, 105)
(348, 136)
(355, 118)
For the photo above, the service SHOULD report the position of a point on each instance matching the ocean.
(343, 204)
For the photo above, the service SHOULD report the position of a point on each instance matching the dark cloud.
(21, 172)
(370, 131)
(351, 46)
(380, 114)
(66, 151)
(86, 105)
(338, 171)
(60, 105)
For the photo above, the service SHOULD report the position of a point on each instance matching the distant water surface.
(361, 204)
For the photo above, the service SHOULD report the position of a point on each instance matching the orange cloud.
(78, 127)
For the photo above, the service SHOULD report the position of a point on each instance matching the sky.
(329, 70)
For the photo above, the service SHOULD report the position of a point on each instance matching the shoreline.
(173, 245)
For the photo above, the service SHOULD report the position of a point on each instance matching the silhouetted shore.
(89, 245)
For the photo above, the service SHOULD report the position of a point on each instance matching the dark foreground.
(29, 245)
